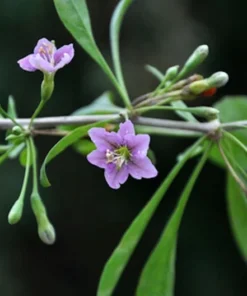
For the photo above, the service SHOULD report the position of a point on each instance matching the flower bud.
(16, 130)
(171, 73)
(45, 229)
(15, 213)
(218, 79)
(47, 86)
(47, 233)
(197, 57)
(205, 112)
(198, 87)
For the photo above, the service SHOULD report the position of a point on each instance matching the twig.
(47, 122)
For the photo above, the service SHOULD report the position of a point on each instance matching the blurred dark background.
(90, 217)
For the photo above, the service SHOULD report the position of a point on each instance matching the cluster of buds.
(174, 86)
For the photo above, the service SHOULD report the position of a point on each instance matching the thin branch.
(45, 122)
(206, 127)
(230, 126)
(49, 122)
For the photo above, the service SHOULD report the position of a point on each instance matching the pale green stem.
(36, 112)
(35, 190)
(160, 100)
(160, 131)
(163, 108)
(27, 170)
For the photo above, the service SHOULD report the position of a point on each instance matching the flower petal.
(104, 140)
(24, 63)
(138, 145)
(43, 42)
(64, 55)
(41, 64)
(115, 177)
(126, 128)
(142, 168)
(97, 158)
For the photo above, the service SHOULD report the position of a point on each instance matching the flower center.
(119, 156)
(47, 52)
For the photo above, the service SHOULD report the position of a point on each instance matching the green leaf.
(115, 26)
(12, 107)
(237, 211)
(75, 17)
(6, 155)
(155, 72)
(16, 150)
(23, 158)
(185, 115)
(116, 264)
(4, 148)
(158, 275)
(232, 108)
(102, 105)
(84, 147)
(64, 143)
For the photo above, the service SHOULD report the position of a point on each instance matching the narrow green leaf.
(4, 148)
(185, 115)
(24, 158)
(237, 211)
(64, 143)
(75, 17)
(12, 107)
(5, 156)
(122, 253)
(155, 72)
(158, 275)
(115, 26)
(16, 150)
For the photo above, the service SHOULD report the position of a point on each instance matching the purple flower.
(47, 58)
(121, 154)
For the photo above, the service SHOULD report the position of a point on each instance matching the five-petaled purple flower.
(121, 154)
(47, 58)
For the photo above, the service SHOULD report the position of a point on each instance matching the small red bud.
(210, 92)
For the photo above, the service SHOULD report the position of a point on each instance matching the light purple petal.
(43, 42)
(115, 177)
(138, 145)
(104, 140)
(41, 64)
(64, 61)
(64, 54)
(97, 158)
(24, 63)
(142, 168)
(126, 128)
